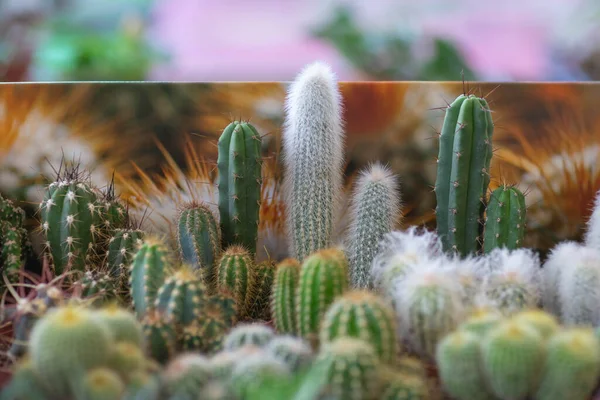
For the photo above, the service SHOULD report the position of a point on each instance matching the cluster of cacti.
(528, 355)
(14, 238)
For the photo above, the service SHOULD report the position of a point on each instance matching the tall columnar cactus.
(572, 366)
(351, 367)
(323, 277)
(505, 219)
(122, 246)
(181, 296)
(260, 290)
(199, 237)
(70, 219)
(147, 274)
(513, 355)
(283, 297)
(234, 274)
(365, 316)
(14, 240)
(465, 152)
(374, 212)
(313, 154)
(240, 181)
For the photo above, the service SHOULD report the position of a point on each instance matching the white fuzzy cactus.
(375, 210)
(592, 236)
(313, 141)
(401, 252)
(511, 279)
(560, 258)
(579, 288)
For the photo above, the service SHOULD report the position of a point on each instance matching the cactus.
(259, 295)
(505, 219)
(465, 152)
(181, 296)
(234, 274)
(147, 275)
(458, 358)
(160, 337)
(283, 297)
(323, 277)
(365, 316)
(294, 352)
(254, 370)
(429, 306)
(513, 356)
(113, 213)
(374, 212)
(545, 324)
(403, 387)
(186, 375)
(70, 219)
(127, 358)
(592, 234)
(572, 366)
(245, 334)
(14, 239)
(240, 180)
(122, 246)
(66, 341)
(222, 305)
(99, 285)
(205, 334)
(351, 367)
(103, 384)
(199, 238)
(121, 323)
(24, 384)
(481, 321)
(313, 147)
(560, 256)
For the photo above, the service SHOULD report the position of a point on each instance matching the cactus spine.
(323, 277)
(240, 179)
(505, 219)
(199, 238)
(147, 275)
(234, 275)
(464, 157)
(592, 235)
(375, 211)
(283, 297)
(365, 316)
(313, 156)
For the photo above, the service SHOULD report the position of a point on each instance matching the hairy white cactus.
(561, 256)
(313, 142)
(375, 210)
(592, 236)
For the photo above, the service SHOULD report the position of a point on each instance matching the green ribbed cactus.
(513, 355)
(113, 213)
(186, 375)
(223, 306)
(234, 275)
(160, 337)
(313, 146)
(481, 321)
(323, 278)
(199, 238)
(122, 246)
(205, 334)
(458, 357)
(248, 334)
(365, 316)
(66, 341)
(374, 212)
(121, 323)
(351, 367)
(14, 239)
(259, 296)
(147, 274)
(544, 323)
(70, 220)
(253, 371)
(103, 384)
(572, 366)
(127, 358)
(505, 219)
(181, 297)
(99, 285)
(240, 180)
(283, 297)
(293, 351)
(406, 387)
(465, 152)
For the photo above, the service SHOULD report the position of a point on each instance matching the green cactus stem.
(182, 296)
(248, 334)
(260, 291)
(283, 297)
(160, 337)
(505, 219)
(240, 179)
(122, 246)
(147, 274)
(234, 275)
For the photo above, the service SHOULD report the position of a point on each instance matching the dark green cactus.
(122, 246)
(14, 240)
(505, 219)
(464, 157)
(160, 337)
(100, 285)
(147, 274)
(199, 238)
(114, 214)
(234, 275)
(260, 291)
(240, 179)
(181, 296)
(283, 297)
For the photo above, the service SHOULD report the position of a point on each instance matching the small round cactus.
(244, 334)
(481, 321)
(363, 315)
(545, 324)
(181, 296)
(234, 274)
(404, 387)
(283, 297)
(186, 375)
(103, 384)
(294, 352)
(160, 337)
(121, 323)
(127, 358)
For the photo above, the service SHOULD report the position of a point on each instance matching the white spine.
(592, 236)
(579, 289)
(561, 258)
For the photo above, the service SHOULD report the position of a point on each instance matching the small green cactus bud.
(127, 358)
(513, 355)
(283, 298)
(505, 219)
(103, 384)
(199, 238)
(323, 278)
(147, 275)
(121, 323)
(458, 358)
(545, 324)
(65, 341)
(406, 388)
(244, 334)
(572, 366)
(160, 337)
(260, 290)
(234, 275)
(294, 352)
(181, 296)
(365, 316)
(481, 321)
